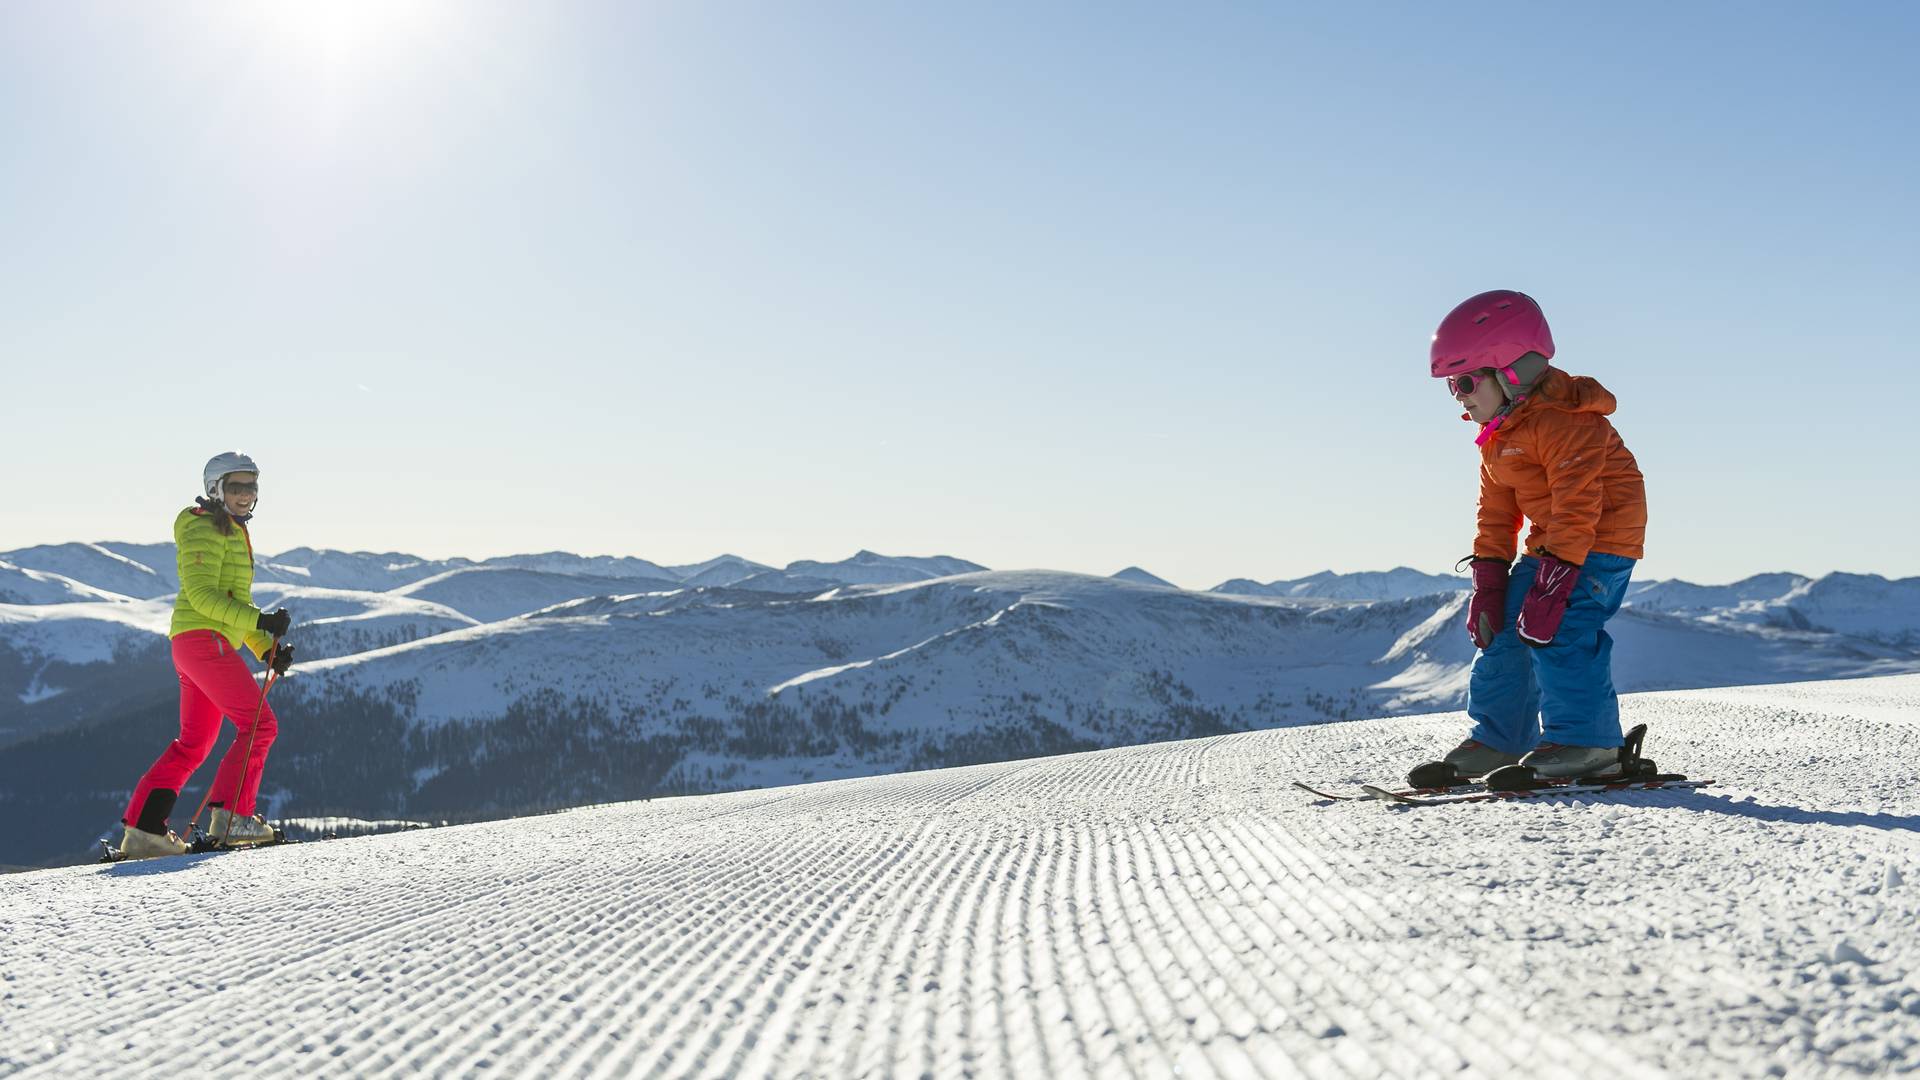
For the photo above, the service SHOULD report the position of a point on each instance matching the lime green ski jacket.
(216, 582)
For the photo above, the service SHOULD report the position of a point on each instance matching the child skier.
(1541, 692)
(213, 617)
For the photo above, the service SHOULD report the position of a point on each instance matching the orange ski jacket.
(1557, 462)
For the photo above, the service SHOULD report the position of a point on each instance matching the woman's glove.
(281, 658)
(1487, 611)
(276, 622)
(1546, 601)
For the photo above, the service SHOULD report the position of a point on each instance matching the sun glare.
(336, 39)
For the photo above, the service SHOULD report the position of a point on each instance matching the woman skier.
(213, 618)
(1541, 692)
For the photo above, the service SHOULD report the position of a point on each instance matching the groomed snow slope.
(1117, 913)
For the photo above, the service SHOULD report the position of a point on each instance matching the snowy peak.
(83, 633)
(156, 557)
(872, 568)
(1140, 577)
(1686, 597)
(1863, 605)
(1866, 606)
(721, 570)
(98, 566)
(22, 586)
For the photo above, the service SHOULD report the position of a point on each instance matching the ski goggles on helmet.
(237, 487)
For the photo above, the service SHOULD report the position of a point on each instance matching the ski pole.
(272, 677)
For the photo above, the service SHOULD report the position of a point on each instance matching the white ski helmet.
(232, 461)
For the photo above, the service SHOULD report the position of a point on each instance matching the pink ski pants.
(214, 682)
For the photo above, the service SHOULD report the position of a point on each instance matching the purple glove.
(1546, 601)
(1487, 611)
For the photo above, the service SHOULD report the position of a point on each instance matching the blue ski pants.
(1563, 693)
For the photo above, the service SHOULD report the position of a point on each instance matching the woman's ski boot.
(228, 829)
(138, 843)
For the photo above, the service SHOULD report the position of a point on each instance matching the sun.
(338, 39)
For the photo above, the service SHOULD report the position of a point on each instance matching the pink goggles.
(1464, 384)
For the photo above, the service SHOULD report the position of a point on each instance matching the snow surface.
(1135, 912)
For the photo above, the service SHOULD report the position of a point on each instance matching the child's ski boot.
(1600, 764)
(1463, 764)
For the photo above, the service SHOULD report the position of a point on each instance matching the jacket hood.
(1570, 393)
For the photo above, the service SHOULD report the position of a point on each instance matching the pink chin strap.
(1491, 427)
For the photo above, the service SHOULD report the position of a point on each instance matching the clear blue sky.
(1059, 285)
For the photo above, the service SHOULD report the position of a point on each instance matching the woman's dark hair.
(222, 520)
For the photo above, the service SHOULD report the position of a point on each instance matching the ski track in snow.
(1123, 913)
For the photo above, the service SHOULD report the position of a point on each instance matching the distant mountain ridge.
(870, 568)
(507, 683)
(1400, 583)
(489, 593)
(1865, 605)
(145, 571)
(19, 585)
(98, 566)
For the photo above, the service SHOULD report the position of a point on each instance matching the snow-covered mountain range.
(462, 687)
(1174, 909)
(1400, 583)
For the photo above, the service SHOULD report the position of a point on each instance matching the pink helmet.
(1491, 330)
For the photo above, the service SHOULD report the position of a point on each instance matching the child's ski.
(1367, 791)
(1570, 787)
(1520, 781)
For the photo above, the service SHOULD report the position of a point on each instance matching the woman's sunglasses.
(235, 487)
